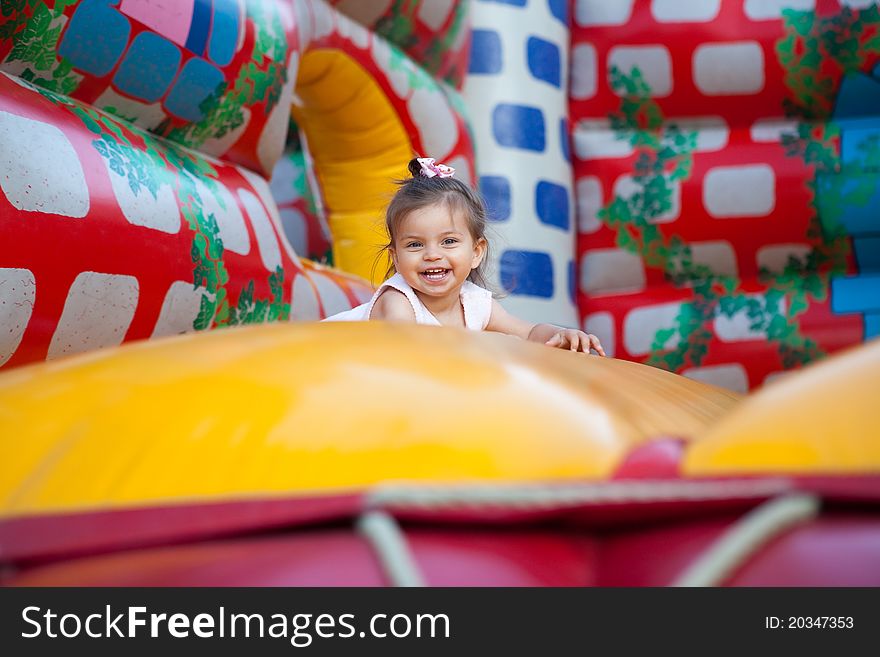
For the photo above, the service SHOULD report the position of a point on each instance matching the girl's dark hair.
(420, 192)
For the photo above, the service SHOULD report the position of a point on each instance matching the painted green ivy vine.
(664, 159)
(34, 30)
(816, 52)
(141, 167)
(397, 26)
(259, 81)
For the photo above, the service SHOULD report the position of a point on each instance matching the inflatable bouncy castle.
(691, 181)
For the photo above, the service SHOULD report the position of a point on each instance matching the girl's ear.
(479, 251)
(393, 252)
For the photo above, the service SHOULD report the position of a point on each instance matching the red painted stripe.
(66, 535)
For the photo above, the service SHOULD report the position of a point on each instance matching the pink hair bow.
(429, 169)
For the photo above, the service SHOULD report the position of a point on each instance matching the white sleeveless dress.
(476, 301)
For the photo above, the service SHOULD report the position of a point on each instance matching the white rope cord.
(389, 544)
(754, 530)
(542, 496)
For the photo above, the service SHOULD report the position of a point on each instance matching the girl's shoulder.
(392, 304)
(477, 303)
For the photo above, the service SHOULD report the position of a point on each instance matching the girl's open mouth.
(434, 275)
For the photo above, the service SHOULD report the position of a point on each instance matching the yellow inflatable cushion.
(314, 408)
(821, 420)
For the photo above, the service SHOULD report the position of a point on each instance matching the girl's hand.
(575, 340)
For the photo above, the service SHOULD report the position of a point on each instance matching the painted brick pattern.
(713, 69)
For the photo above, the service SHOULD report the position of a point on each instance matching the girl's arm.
(502, 321)
(553, 336)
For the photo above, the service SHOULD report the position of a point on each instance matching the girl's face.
(434, 250)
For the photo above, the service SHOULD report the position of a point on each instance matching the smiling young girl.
(437, 227)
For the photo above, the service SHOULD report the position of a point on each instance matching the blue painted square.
(486, 53)
(496, 191)
(197, 81)
(564, 139)
(519, 126)
(551, 204)
(224, 32)
(528, 273)
(544, 60)
(872, 325)
(95, 38)
(559, 9)
(867, 253)
(198, 27)
(855, 294)
(858, 138)
(515, 3)
(858, 217)
(148, 68)
(859, 95)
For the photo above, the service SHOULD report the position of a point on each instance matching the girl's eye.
(450, 240)
(413, 245)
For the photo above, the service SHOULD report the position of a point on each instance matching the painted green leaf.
(206, 314)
